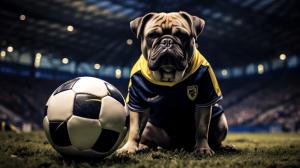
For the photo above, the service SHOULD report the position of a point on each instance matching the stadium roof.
(237, 31)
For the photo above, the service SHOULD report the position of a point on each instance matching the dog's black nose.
(167, 42)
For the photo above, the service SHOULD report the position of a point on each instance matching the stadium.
(253, 47)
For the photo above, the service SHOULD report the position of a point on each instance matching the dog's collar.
(197, 60)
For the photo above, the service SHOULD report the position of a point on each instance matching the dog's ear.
(138, 24)
(196, 23)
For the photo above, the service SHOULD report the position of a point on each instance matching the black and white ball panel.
(46, 128)
(91, 86)
(60, 106)
(59, 133)
(106, 141)
(113, 114)
(83, 132)
(87, 106)
(120, 139)
(61, 149)
(66, 86)
(115, 93)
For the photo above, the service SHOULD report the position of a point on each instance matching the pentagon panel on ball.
(86, 117)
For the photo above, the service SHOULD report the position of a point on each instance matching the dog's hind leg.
(154, 137)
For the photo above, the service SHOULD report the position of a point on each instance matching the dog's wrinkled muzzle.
(167, 52)
(167, 62)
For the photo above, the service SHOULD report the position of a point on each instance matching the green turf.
(257, 150)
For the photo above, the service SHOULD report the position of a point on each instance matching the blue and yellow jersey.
(171, 101)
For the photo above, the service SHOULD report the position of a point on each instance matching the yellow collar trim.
(197, 60)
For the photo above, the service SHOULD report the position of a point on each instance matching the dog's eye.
(153, 35)
(181, 35)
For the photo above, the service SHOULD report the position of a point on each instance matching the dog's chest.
(181, 97)
(168, 95)
(183, 94)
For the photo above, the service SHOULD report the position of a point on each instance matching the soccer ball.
(86, 117)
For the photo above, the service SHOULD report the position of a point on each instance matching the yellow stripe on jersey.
(197, 60)
(213, 77)
(214, 81)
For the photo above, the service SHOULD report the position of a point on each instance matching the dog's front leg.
(137, 125)
(202, 121)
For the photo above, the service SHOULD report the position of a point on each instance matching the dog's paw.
(204, 151)
(143, 148)
(227, 148)
(128, 148)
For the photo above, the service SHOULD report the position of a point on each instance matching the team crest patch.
(192, 92)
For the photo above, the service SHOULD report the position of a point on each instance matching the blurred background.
(253, 46)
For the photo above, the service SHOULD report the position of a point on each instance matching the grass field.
(256, 150)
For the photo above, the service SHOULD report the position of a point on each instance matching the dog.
(173, 92)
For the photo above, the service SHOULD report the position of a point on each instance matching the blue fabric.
(170, 105)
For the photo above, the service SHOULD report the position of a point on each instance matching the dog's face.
(167, 42)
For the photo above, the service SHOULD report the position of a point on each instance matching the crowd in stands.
(25, 98)
(271, 100)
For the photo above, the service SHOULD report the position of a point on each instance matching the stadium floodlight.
(260, 68)
(129, 41)
(97, 66)
(22, 17)
(282, 57)
(38, 54)
(37, 60)
(118, 73)
(65, 60)
(70, 28)
(10, 49)
(3, 54)
(224, 72)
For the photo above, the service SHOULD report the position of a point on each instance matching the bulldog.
(173, 91)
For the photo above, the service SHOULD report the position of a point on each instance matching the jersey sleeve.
(135, 99)
(209, 92)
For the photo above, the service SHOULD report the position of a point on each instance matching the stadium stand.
(263, 103)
